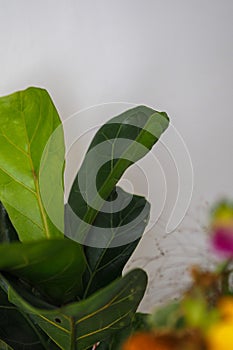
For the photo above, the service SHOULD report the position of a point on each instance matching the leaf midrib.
(73, 325)
(35, 178)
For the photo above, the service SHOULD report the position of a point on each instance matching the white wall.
(172, 55)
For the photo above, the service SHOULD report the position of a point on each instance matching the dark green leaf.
(28, 118)
(53, 267)
(7, 231)
(105, 265)
(80, 325)
(117, 145)
(18, 332)
(112, 236)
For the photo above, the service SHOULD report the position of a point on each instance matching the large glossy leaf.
(119, 143)
(27, 120)
(18, 332)
(105, 265)
(80, 325)
(53, 267)
(7, 230)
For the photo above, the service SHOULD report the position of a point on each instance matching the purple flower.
(222, 241)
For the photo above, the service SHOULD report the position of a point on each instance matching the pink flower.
(221, 230)
(222, 241)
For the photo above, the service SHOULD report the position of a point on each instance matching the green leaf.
(18, 332)
(80, 325)
(53, 267)
(7, 230)
(27, 120)
(105, 265)
(117, 145)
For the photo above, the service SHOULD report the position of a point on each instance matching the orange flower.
(147, 341)
(188, 340)
(225, 307)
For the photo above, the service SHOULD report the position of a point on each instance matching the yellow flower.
(220, 336)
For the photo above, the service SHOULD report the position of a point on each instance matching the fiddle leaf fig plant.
(27, 121)
(61, 285)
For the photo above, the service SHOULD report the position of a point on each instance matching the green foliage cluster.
(56, 293)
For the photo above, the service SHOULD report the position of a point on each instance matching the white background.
(172, 55)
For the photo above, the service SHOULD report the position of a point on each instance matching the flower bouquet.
(203, 318)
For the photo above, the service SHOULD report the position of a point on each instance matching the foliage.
(61, 283)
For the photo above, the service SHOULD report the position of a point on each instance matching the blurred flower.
(166, 340)
(220, 336)
(147, 341)
(225, 307)
(203, 318)
(222, 230)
